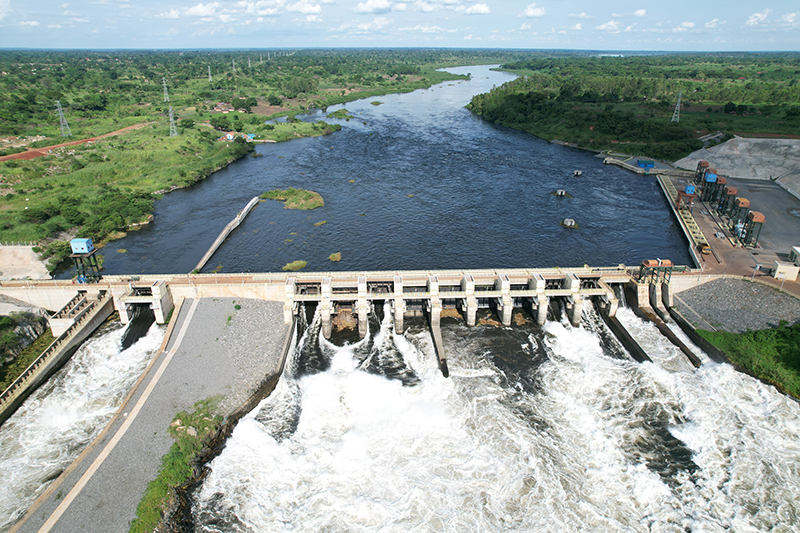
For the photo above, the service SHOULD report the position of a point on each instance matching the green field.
(771, 354)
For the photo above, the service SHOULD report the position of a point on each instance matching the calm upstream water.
(417, 182)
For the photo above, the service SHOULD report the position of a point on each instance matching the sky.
(617, 25)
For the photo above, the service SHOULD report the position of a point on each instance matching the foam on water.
(600, 444)
(65, 414)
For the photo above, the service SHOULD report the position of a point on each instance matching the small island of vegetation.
(295, 198)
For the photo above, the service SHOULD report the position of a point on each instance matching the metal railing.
(37, 366)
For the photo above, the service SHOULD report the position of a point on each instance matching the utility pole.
(65, 131)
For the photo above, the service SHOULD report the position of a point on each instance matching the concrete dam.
(410, 293)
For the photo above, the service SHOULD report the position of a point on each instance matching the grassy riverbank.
(770, 354)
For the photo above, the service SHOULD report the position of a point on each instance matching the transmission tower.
(209, 73)
(260, 59)
(173, 131)
(676, 116)
(248, 63)
(65, 132)
(166, 94)
(233, 62)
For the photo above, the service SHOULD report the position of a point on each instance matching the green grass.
(177, 464)
(11, 371)
(335, 256)
(771, 354)
(295, 265)
(295, 198)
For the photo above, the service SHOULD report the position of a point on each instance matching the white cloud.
(684, 26)
(755, 18)
(791, 18)
(468, 37)
(30, 23)
(171, 14)
(630, 28)
(610, 26)
(711, 24)
(425, 7)
(478, 9)
(78, 19)
(313, 18)
(54, 26)
(376, 24)
(402, 6)
(525, 26)
(640, 13)
(532, 11)
(617, 15)
(580, 15)
(262, 8)
(305, 8)
(202, 10)
(427, 29)
(577, 26)
(374, 6)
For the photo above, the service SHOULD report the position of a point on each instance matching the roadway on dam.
(204, 354)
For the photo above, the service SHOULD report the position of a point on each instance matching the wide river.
(545, 429)
(417, 182)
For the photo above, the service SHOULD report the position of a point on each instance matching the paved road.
(206, 354)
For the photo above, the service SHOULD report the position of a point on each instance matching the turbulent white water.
(65, 414)
(584, 439)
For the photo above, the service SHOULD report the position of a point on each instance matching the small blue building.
(645, 163)
(81, 246)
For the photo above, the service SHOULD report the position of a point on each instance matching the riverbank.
(213, 350)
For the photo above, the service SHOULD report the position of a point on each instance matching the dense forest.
(627, 103)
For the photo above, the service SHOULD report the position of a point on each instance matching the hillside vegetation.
(627, 103)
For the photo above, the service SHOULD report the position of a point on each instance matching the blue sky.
(566, 24)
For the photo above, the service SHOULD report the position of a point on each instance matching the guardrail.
(33, 371)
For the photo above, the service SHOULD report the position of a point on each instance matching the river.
(549, 428)
(417, 182)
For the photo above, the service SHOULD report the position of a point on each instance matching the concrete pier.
(505, 305)
(398, 305)
(575, 299)
(470, 303)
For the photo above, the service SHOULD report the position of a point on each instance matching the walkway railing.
(38, 366)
